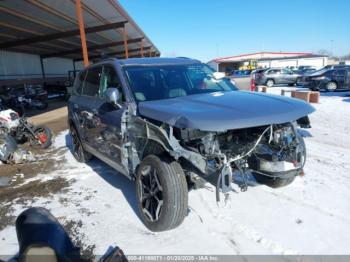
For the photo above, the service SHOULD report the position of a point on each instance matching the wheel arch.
(154, 147)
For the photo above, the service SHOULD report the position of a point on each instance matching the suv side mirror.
(113, 95)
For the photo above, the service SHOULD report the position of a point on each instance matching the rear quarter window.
(78, 83)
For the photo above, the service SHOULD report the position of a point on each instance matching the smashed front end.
(272, 155)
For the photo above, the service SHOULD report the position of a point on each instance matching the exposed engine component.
(271, 152)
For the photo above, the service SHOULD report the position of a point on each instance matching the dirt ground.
(15, 186)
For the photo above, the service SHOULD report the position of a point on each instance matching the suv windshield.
(163, 82)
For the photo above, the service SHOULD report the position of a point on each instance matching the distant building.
(269, 59)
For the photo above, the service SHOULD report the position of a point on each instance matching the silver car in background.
(276, 76)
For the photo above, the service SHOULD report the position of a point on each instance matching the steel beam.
(54, 36)
(125, 37)
(82, 32)
(93, 47)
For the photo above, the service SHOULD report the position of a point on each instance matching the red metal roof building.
(269, 59)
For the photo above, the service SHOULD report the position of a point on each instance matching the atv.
(22, 130)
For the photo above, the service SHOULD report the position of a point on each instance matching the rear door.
(85, 106)
(74, 103)
(274, 74)
(288, 77)
(340, 77)
(347, 80)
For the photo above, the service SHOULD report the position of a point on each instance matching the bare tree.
(325, 52)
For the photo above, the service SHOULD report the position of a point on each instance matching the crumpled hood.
(223, 111)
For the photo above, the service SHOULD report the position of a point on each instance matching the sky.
(208, 29)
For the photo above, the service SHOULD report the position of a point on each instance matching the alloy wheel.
(270, 83)
(151, 194)
(331, 86)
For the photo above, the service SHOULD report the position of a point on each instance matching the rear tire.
(273, 182)
(276, 182)
(78, 151)
(270, 83)
(44, 135)
(162, 193)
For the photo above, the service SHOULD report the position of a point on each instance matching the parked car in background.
(328, 79)
(339, 66)
(304, 70)
(276, 76)
(241, 73)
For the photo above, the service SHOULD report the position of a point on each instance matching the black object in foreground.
(42, 238)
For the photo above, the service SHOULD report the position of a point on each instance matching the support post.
(142, 56)
(42, 67)
(82, 32)
(125, 36)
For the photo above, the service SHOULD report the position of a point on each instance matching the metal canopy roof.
(50, 28)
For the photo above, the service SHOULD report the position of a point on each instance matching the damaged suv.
(169, 123)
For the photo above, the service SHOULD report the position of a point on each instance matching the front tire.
(277, 182)
(274, 182)
(162, 193)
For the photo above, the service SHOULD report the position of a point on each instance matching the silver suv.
(170, 124)
(276, 76)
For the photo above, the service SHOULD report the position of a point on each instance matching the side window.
(110, 79)
(286, 72)
(78, 83)
(273, 72)
(340, 73)
(92, 82)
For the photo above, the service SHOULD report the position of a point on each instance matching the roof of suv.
(158, 61)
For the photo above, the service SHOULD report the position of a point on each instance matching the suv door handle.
(76, 106)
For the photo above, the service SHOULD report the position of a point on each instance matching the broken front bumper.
(230, 177)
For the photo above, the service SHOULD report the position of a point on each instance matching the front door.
(109, 130)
